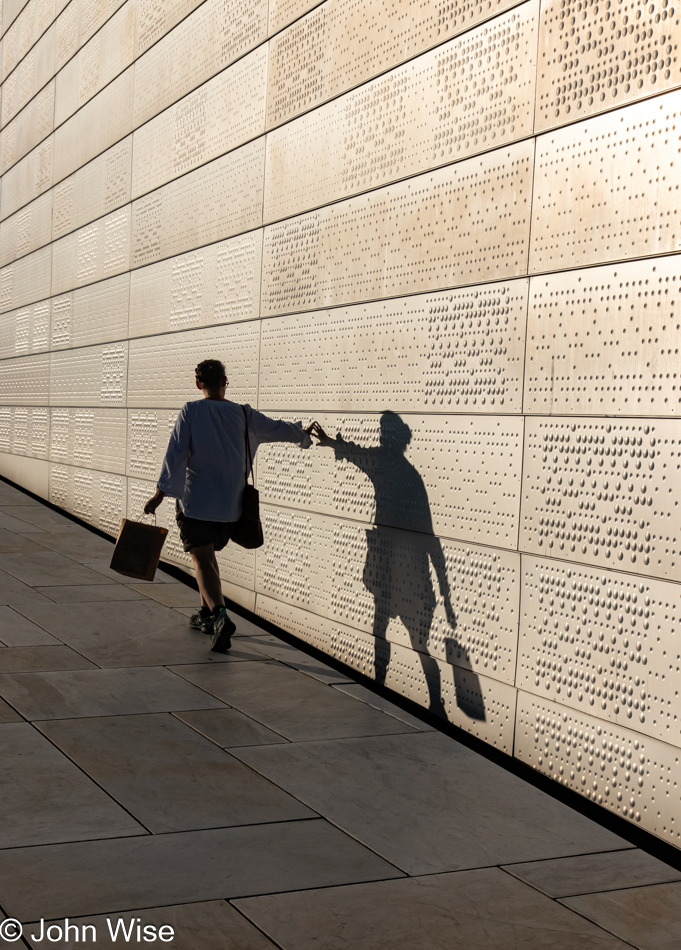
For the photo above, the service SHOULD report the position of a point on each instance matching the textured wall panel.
(218, 199)
(606, 341)
(94, 314)
(632, 775)
(220, 115)
(26, 280)
(10, 11)
(106, 55)
(32, 474)
(26, 330)
(156, 17)
(80, 20)
(458, 475)
(441, 107)
(25, 381)
(32, 73)
(101, 372)
(28, 129)
(603, 642)
(603, 493)
(161, 371)
(91, 438)
(607, 189)
(26, 230)
(24, 430)
(94, 190)
(104, 120)
(28, 27)
(462, 351)
(215, 284)
(148, 433)
(596, 57)
(459, 225)
(343, 43)
(28, 178)
(207, 41)
(96, 497)
(481, 706)
(92, 253)
(283, 12)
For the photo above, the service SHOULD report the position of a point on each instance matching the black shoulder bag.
(247, 531)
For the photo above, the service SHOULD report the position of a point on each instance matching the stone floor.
(260, 799)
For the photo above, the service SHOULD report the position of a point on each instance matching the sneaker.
(202, 620)
(223, 628)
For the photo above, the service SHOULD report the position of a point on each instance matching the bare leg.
(207, 576)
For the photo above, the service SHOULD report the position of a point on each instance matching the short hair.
(210, 373)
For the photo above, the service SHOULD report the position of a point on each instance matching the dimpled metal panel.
(92, 438)
(96, 497)
(468, 466)
(283, 12)
(602, 642)
(607, 189)
(462, 224)
(215, 284)
(9, 11)
(92, 253)
(445, 105)
(24, 430)
(94, 190)
(603, 493)
(606, 340)
(79, 21)
(598, 56)
(218, 199)
(221, 114)
(32, 73)
(26, 280)
(29, 25)
(632, 775)
(25, 381)
(148, 433)
(161, 368)
(156, 17)
(94, 314)
(101, 372)
(208, 40)
(415, 676)
(460, 351)
(26, 130)
(26, 330)
(28, 178)
(26, 230)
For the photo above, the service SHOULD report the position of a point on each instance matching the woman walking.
(204, 469)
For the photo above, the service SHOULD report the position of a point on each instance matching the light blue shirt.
(205, 463)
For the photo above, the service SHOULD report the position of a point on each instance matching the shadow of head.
(395, 434)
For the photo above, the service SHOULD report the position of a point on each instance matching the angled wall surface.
(450, 233)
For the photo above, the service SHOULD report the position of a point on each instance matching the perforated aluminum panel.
(25, 381)
(156, 17)
(10, 10)
(632, 775)
(602, 642)
(104, 120)
(26, 280)
(101, 372)
(460, 351)
(149, 431)
(26, 29)
(26, 230)
(606, 341)
(220, 115)
(597, 57)
(102, 58)
(29, 77)
(161, 371)
(209, 204)
(283, 12)
(96, 497)
(342, 43)
(26, 130)
(92, 253)
(24, 430)
(208, 40)
(603, 493)
(90, 438)
(79, 21)
(26, 330)
(459, 225)
(94, 190)
(28, 178)
(94, 314)
(587, 209)
(413, 675)
(215, 284)
(439, 108)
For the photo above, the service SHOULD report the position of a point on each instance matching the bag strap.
(248, 449)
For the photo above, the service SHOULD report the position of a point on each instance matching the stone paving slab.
(648, 918)
(16, 630)
(229, 728)
(42, 659)
(46, 568)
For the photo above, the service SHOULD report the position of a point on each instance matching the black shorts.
(195, 533)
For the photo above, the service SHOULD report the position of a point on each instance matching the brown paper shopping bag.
(138, 549)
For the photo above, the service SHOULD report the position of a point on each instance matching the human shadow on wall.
(397, 568)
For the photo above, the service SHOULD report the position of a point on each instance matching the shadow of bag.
(247, 531)
(138, 549)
